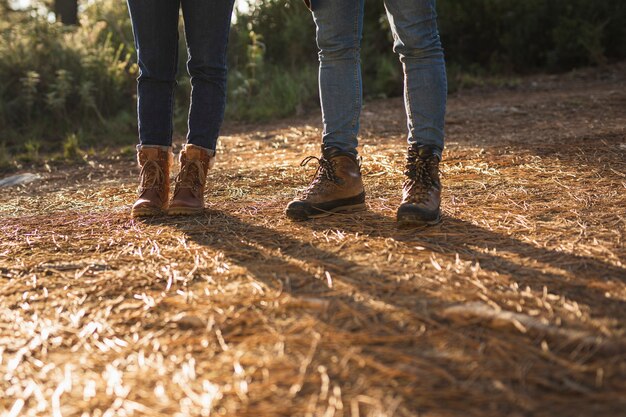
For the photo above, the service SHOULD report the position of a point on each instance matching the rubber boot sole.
(355, 208)
(146, 212)
(184, 211)
(413, 221)
(303, 212)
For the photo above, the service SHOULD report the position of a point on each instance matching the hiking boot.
(421, 193)
(154, 180)
(188, 198)
(337, 187)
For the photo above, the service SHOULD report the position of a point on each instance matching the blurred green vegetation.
(62, 88)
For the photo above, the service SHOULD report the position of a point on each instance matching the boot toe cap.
(298, 210)
(144, 208)
(182, 208)
(185, 201)
(416, 214)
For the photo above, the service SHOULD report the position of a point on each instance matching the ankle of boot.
(192, 152)
(425, 151)
(164, 155)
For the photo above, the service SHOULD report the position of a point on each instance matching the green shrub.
(277, 93)
(56, 79)
(262, 90)
(531, 35)
(71, 148)
(5, 157)
(31, 150)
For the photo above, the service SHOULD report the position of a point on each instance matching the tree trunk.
(66, 11)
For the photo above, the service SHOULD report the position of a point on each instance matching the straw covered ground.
(515, 305)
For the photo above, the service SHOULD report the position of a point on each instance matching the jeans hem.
(162, 147)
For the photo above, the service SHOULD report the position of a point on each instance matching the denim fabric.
(413, 24)
(155, 26)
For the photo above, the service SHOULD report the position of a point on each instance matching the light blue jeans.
(416, 40)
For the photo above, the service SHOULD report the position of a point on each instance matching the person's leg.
(207, 26)
(339, 25)
(155, 27)
(416, 41)
(337, 186)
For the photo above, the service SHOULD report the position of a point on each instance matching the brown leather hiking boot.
(188, 198)
(421, 193)
(337, 187)
(154, 179)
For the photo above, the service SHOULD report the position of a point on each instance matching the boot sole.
(145, 212)
(347, 209)
(339, 210)
(416, 221)
(184, 211)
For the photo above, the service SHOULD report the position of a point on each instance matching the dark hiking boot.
(421, 193)
(154, 180)
(337, 187)
(188, 198)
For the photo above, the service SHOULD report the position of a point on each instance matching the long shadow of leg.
(536, 266)
(372, 314)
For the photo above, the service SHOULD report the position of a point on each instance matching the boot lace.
(151, 176)
(420, 175)
(190, 177)
(325, 173)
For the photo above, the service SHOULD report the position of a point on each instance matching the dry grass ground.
(515, 305)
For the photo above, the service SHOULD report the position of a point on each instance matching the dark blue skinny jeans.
(155, 26)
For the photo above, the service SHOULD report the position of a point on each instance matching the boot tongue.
(195, 152)
(146, 154)
(332, 152)
(426, 151)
